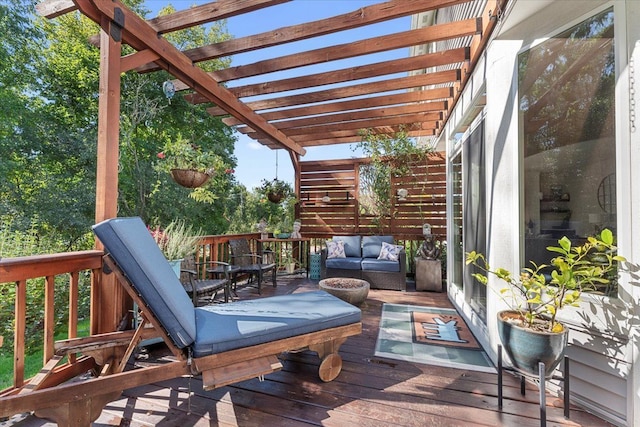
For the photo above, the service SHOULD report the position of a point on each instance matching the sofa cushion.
(371, 245)
(224, 327)
(335, 249)
(352, 245)
(390, 252)
(372, 264)
(348, 263)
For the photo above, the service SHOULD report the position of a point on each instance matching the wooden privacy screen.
(341, 214)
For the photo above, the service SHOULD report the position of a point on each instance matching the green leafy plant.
(182, 154)
(391, 155)
(537, 297)
(276, 187)
(177, 240)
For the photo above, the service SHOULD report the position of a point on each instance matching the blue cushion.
(352, 245)
(131, 246)
(225, 327)
(351, 263)
(380, 265)
(371, 245)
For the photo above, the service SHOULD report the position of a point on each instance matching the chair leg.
(273, 274)
(259, 281)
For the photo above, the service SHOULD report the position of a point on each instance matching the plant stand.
(541, 386)
(428, 275)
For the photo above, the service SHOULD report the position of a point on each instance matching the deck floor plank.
(371, 391)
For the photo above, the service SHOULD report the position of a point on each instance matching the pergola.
(327, 108)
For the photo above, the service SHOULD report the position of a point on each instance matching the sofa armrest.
(402, 259)
(323, 263)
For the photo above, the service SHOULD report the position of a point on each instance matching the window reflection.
(567, 112)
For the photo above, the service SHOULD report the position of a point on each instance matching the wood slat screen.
(339, 179)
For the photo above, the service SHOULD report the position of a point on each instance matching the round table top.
(223, 268)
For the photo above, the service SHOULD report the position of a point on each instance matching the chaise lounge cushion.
(131, 246)
(213, 329)
(226, 327)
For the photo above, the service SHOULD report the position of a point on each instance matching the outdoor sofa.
(364, 258)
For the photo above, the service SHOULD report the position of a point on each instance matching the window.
(567, 112)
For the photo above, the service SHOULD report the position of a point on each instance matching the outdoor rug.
(430, 335)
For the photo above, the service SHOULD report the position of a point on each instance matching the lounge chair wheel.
(330, 367)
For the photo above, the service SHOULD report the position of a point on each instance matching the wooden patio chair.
(189, 274)
(225, 343)
(250, 262)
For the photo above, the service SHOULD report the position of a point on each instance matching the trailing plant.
(538, 297)
(183, 154)
(391, 155)
(276, 186)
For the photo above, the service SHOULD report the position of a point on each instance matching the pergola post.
(108, 301)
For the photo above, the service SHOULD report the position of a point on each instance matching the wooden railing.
(21, 271)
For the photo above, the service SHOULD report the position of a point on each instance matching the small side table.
(232, 271)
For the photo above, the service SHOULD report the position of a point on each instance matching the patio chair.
(250, 262)
(225, 343)
(203, 287)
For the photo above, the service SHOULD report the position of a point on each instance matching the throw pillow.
(335, 249)
(389, 252)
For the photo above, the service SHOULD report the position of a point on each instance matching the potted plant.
(276, 190)
(189, 165)
(529, 329)
(289, 261)
(176, 241)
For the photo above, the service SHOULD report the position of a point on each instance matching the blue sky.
(255, 161)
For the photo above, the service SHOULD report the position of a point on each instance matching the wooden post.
(108, 298)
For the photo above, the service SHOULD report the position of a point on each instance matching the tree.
(48, 134)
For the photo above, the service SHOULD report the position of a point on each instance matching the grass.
(33, 361)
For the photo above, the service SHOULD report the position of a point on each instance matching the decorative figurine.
(428, 249)
(296, 229)
(262, 228)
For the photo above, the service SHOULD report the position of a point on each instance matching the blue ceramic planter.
(526, 347)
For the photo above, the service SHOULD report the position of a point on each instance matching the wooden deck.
(370, 391)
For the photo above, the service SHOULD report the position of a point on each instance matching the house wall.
(603, 331)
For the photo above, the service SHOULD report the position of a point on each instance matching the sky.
(255, 161)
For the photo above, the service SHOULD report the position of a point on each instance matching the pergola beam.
(417, 81)
(403, 39)
(139, 32)
(406, 98)
(413, 63)
(363, 16)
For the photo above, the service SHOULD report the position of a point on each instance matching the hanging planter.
(275, 197)
(275, 190)
(188, 164)
(189, 178)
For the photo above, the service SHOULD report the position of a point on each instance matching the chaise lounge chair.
(225, 343)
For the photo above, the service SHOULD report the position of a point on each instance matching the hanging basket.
(189, 178)
(275, 197)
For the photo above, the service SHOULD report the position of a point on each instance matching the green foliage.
(576, 269)
(49, 78)
(177, 240)
(182, 154)
(15, 243)
(391, 156)
(277, 186)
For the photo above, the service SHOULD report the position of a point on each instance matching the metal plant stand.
(541, 386)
